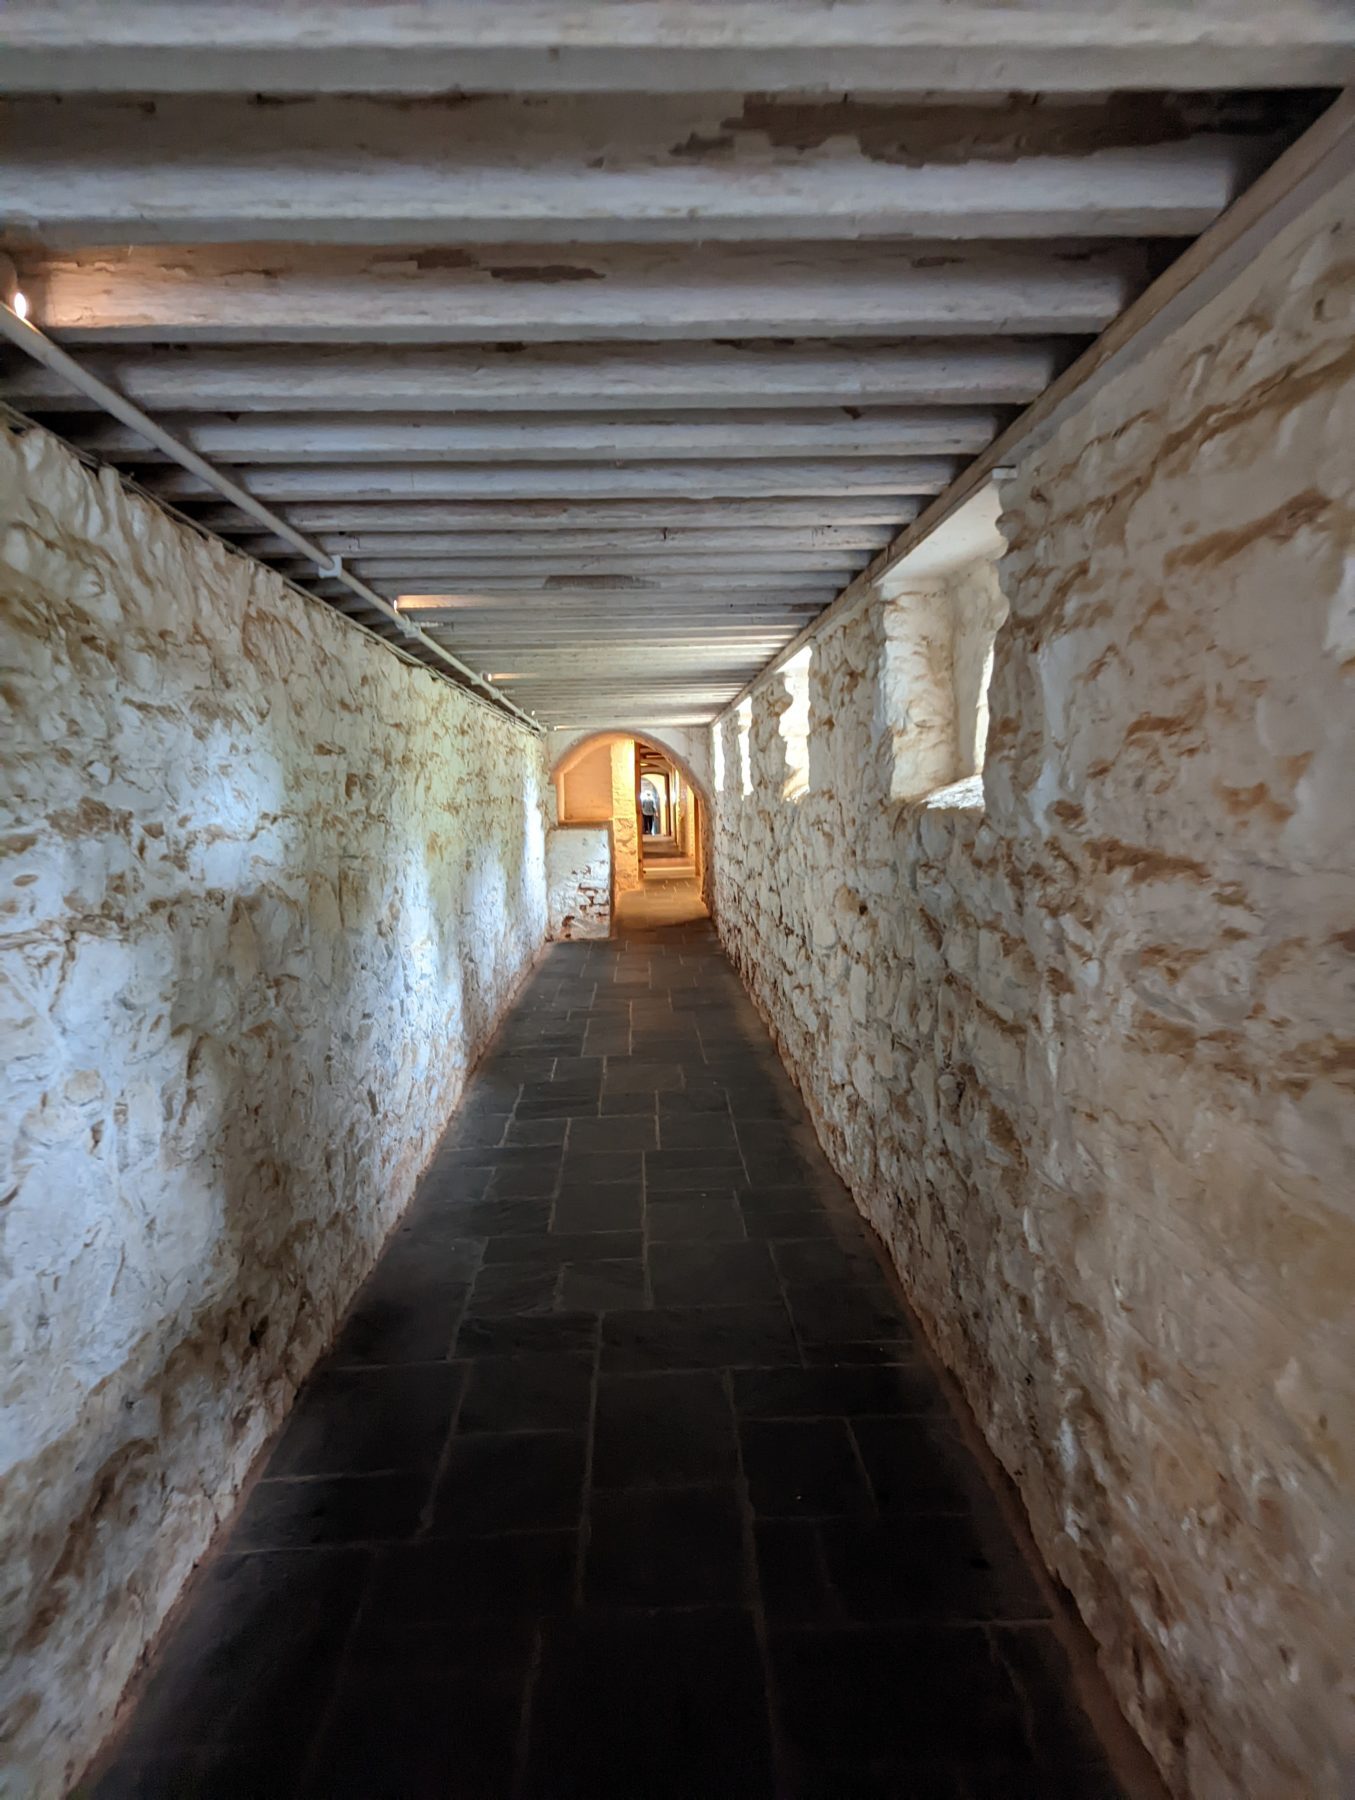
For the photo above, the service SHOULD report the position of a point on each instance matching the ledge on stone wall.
(966, 794)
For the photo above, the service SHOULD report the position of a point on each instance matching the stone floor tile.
(250, 1662)
(781, 1226)
(701, 1097)
(637, 1104)
(447, 1582)
(536, 1181)
(303, 1513)
(514, 1287)
(607, 1210)
(536, 1131)
(697, 1131)
(903, 1694)
(795, 1393)
(667, 1706)
(713, 1218)
(663, 1429)
(655, 1547)
(397, 1737)
(410, 1321)
(712, 1274)
(696, 1338)
(792, 1574)
(541, 1392)
(917, 1465)
(559, 1247)
(597, 1286)
(601, 1168)
(514, 1481)
(516, 1335)
(613, 1134)
(803, 1468)
(940, 1568)
(361, 1421)
(846, 1312)
(503, 1217)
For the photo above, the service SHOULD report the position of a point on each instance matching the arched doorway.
(657, 810)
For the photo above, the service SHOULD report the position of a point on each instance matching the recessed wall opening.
(652, 811)
(795, 722)
(939, 658)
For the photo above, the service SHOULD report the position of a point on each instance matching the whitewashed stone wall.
(579, 881)
(266, 891)
(626, 871)
(1086, 1056)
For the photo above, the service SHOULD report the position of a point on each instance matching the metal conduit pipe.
(26, 337)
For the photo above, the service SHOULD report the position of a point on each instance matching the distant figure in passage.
(649, 810)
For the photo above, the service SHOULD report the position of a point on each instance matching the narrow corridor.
(625, 1476)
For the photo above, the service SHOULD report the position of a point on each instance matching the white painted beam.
(666, 481)
(543, 548)
(555, 576)
(289, 295)
(596, 604)
(571, 169)
(549, 378)
(348, 46)
(563, 517)
(881, 431)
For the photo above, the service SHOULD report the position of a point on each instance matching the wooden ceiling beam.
(284, 295)
(521, 169)
(545, 548)
(562, 518)
(556, 575)
(879, 431)
(753, 478)
(549, 378)
(544, 46)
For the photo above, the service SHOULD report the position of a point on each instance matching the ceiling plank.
(752, 478)
(543, 46)
(553, 517)
(554, 378)
(882, 431)
(286, 294)
(512, 168)
(558, 575)
(657, 546)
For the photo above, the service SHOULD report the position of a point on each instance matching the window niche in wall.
(938, 663)
(745, 718)
(794, 723)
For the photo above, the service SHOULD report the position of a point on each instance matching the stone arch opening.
(599, 778)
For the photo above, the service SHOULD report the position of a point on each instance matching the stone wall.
(267, 891)
(579, 881)
(601, 784)
(585, 788)
(1083, 1049)
(626, 871)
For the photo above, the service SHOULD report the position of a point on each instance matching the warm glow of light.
(446, 602)
(517, 677)
(21, 303)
